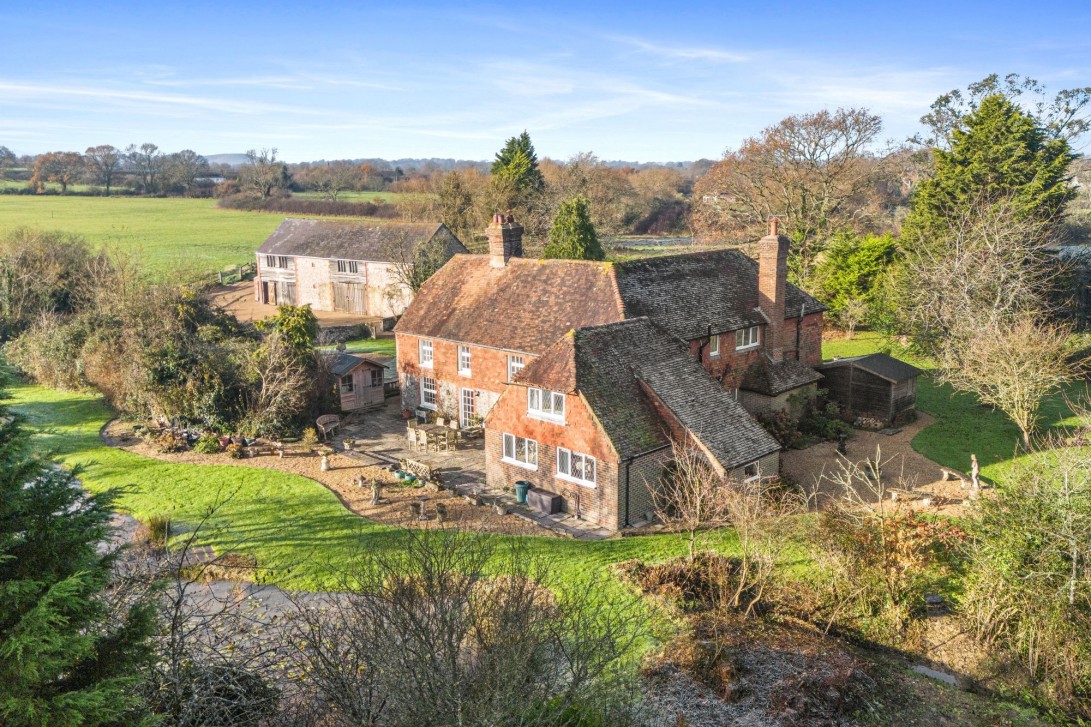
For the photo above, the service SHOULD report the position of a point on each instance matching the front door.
(468, 408)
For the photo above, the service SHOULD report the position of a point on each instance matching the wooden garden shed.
(359, 380)
(876, 386)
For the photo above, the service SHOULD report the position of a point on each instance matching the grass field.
(174, 236)
(963, 426)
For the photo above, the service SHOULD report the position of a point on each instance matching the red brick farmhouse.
(585, 372)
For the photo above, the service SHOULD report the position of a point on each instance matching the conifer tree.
(66, 658)
(518, 162)
(572, 235)
(998, 153)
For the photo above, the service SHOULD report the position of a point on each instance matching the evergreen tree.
(518, 162)
(997, 153)
(66, 657)
(853, 267)
(572, 235)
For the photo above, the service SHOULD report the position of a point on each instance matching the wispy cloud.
(682, 53)
(12, 92)
(294, 82)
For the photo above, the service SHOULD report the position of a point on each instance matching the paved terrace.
(381, 440)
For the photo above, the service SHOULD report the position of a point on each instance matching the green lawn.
(299, 532)
(174, 236)
(963, 426)
(384, 346)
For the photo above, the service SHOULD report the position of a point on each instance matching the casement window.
(714, 347)
(579, 468)
(276, 261)
(515, 365)
(747, 338)
(425, 354)
(348, 266)
(376, 377)
(346, 384)
(520, 451)
(751, 472)
(548, 405)
(427, 392)
(464, 360)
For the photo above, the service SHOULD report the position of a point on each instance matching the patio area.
(380, 439)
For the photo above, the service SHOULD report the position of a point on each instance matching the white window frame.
(757, 471)
(426, 362)
(538, 409)
(511, 452)
(434, 390)
(348, 266)
(465, 361)
(747, 338)
(565, 460)
(714, 346)
(515, 365)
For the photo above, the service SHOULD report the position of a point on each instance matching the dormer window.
(425, 354)
(747, 338)
(548, 405)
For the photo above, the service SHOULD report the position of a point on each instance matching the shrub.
(169, 441)
(207, 444)
(310, 437)
(235, 450)
(782, 426)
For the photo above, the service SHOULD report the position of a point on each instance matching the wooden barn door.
(349, 297)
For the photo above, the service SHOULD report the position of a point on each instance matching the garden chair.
(411, 435)
(440, 421)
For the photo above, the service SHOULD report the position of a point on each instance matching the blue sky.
(634, 81)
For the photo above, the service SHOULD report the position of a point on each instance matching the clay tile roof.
(555, 369)
(769, 378)
(882, 365)
(617, 365)
(349, 239)
(525, 306)
(688, 293)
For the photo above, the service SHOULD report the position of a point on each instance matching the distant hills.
(236, 160)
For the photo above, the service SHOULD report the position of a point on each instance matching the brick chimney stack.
(772, 282)
(505, 240)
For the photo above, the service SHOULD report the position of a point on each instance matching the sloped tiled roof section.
(880, 364)
(611, 362)
(686, 294)
(350, 240)
(528, 305)
(772, 377)
(341, 363)
(555, 369)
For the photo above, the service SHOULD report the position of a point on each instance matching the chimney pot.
(774, 224)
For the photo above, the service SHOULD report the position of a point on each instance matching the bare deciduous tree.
(146, 161)
(455, 628)
(1012, 365)
(105, 161)
(691, 494)
(415, 263)
(811, 170)
(263, 173)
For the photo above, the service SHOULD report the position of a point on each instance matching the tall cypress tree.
(65, 658)
(997, 153)
(572, 235)
(518, 162)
